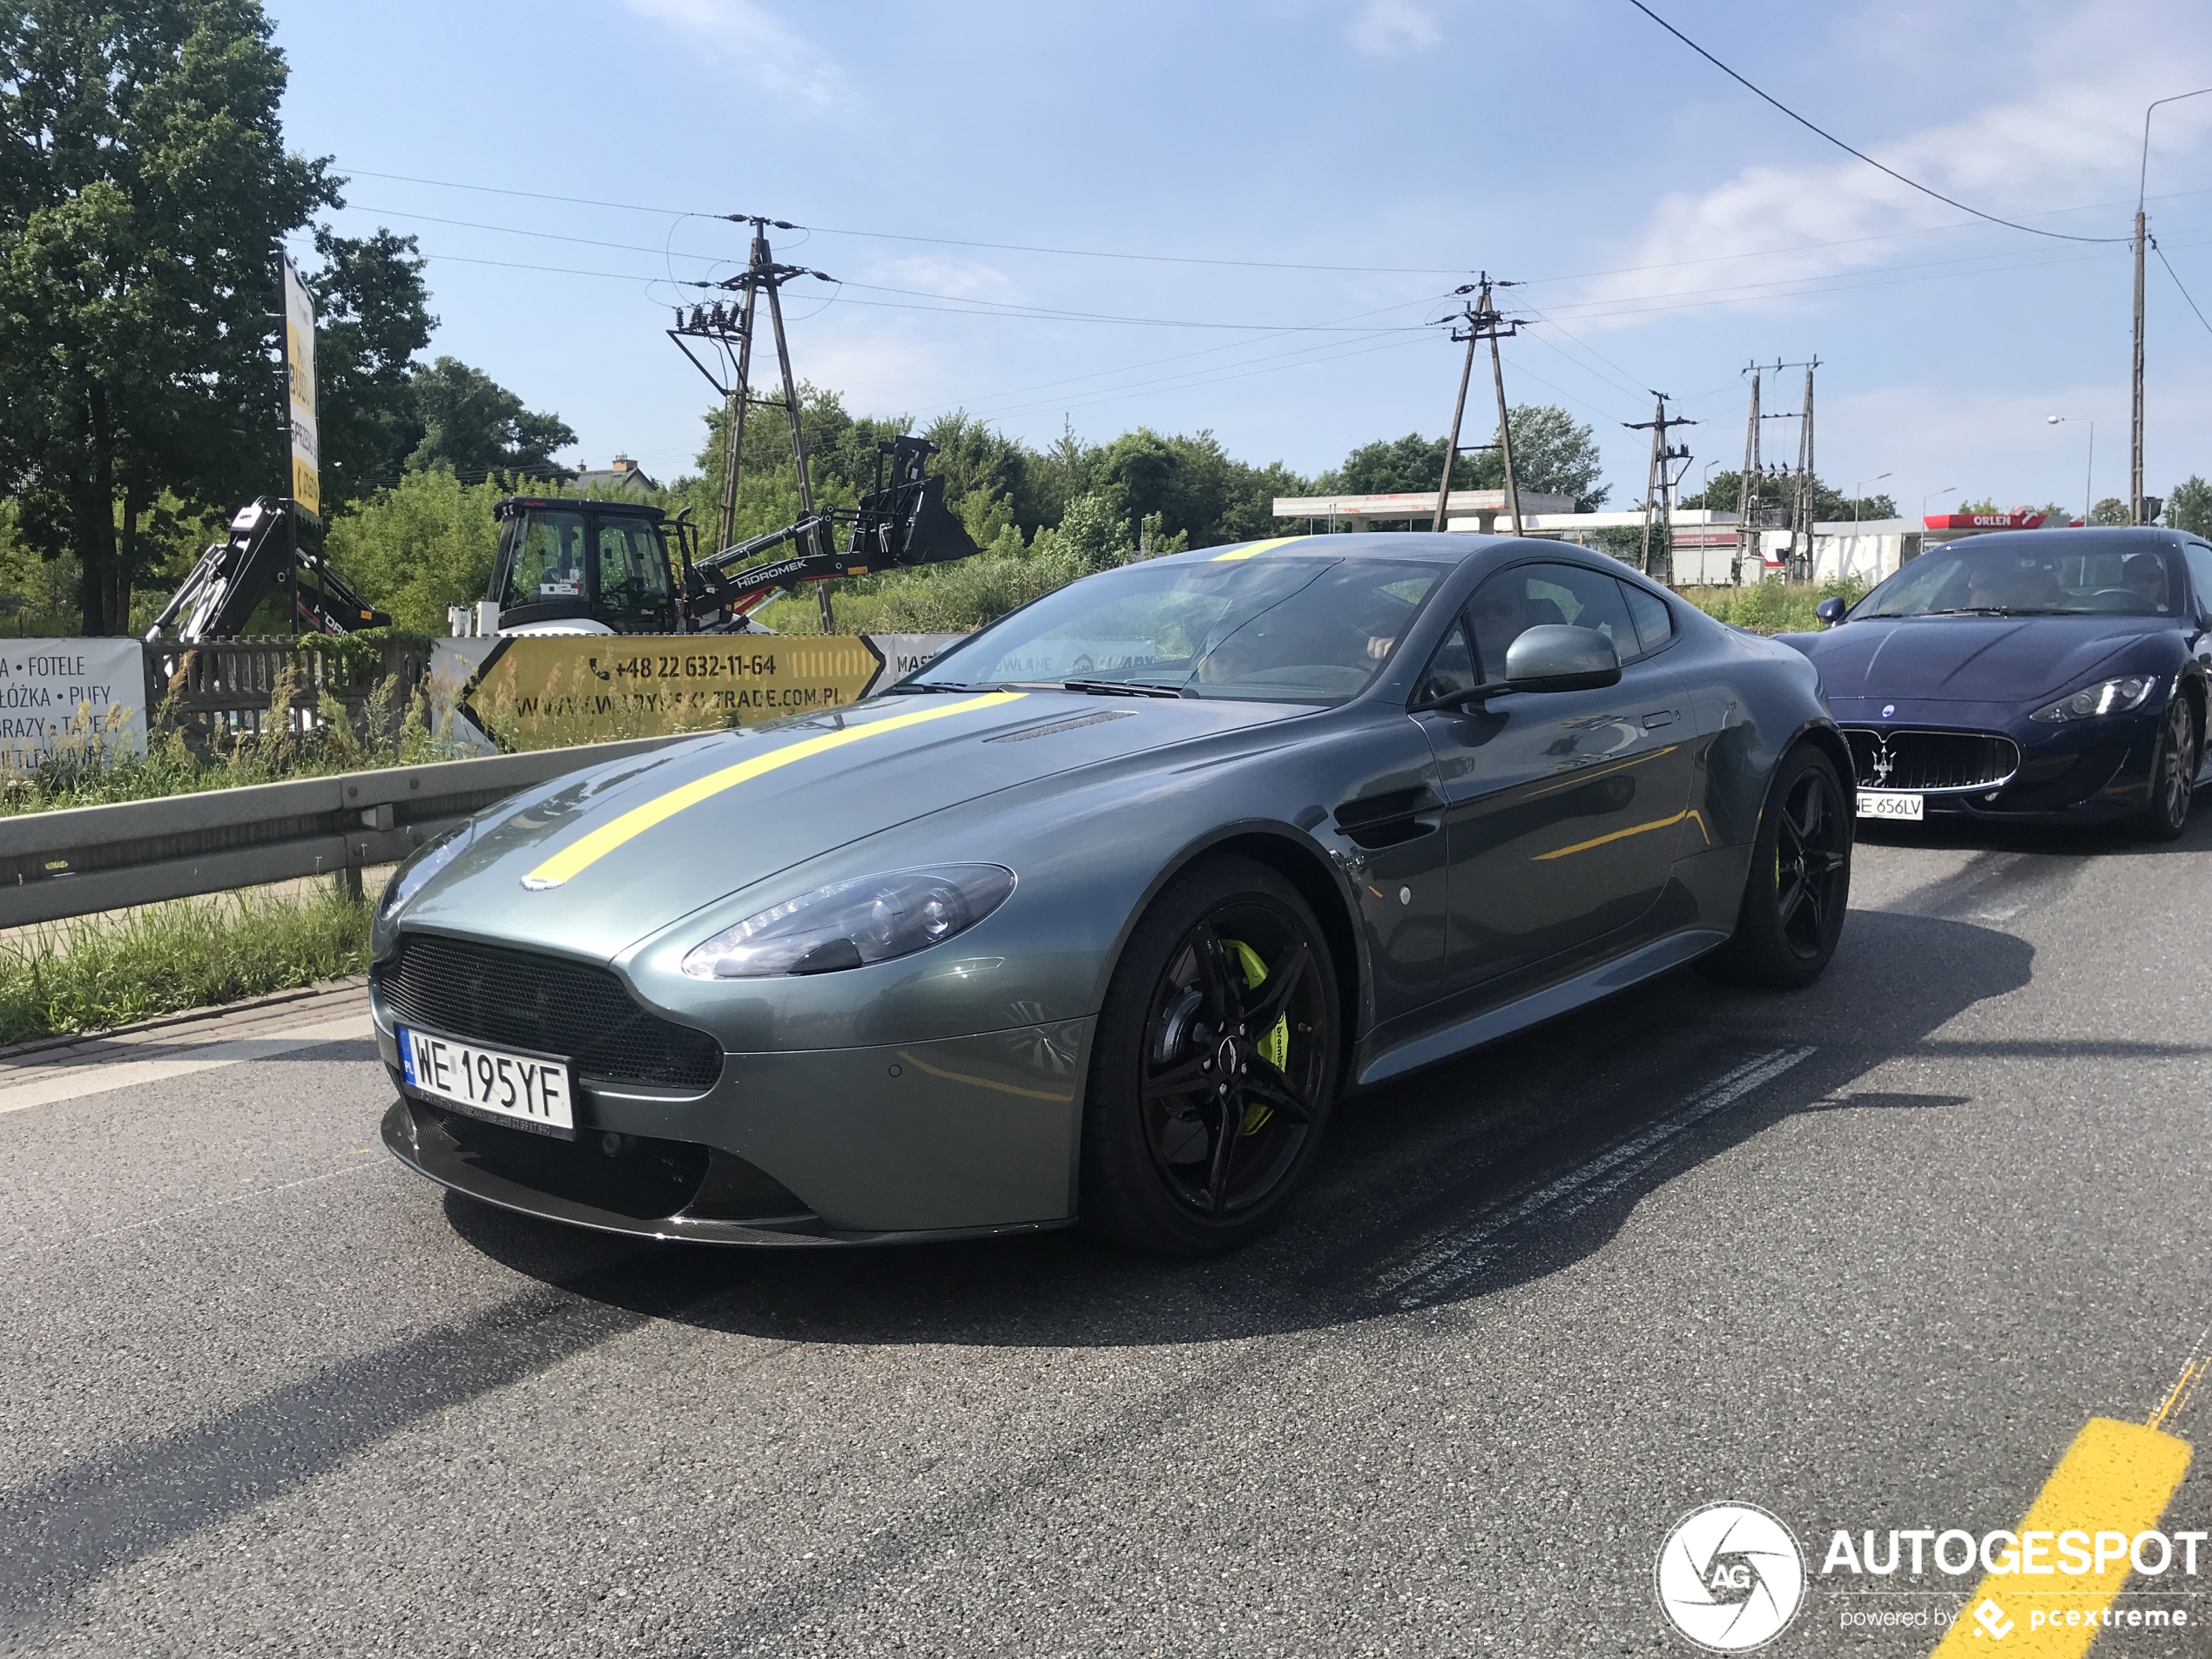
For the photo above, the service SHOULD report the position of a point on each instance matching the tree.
(2111, 510)
(1777, 491)
(474, 427)
(2190, 507)
(144, 187)
(373, 317)
(1553, 454)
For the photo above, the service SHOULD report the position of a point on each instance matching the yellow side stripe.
(2114, 1483)
(1251, 548)
(589, 849)
(1622, 835)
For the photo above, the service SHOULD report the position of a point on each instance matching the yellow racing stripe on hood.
(1256, 547)
(588, 850)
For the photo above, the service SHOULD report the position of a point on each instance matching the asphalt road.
(1868, 1256)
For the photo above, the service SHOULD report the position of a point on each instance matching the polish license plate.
(1890, 803)
(524, 1089)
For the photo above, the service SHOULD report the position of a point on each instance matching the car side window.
(1655, 622)
(1451, 670)
(1532, 595)
(2200, 562)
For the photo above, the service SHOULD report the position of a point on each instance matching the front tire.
(2172, 772)
(1217, 1059)
(1793, 907)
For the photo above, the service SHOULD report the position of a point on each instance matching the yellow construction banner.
(552, 691)
(300, 397)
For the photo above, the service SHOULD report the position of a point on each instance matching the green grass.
(1772, 607)
(89, 769)
(195, 952)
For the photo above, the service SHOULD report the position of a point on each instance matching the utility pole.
(1746, 486)
(1801, 514)
(731, 332)
(1659, 486)
(2143, 179)
(1483, 322)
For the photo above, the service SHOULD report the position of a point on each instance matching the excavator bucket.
(907, 521)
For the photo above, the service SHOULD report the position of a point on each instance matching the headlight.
(426, 861)
(2107, 697)
(850, 924)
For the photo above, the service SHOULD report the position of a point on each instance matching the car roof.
(1424, 547)
(2088, 538)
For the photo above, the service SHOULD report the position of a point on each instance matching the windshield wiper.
(1971, 611)
(911, 687)
(1119, 688)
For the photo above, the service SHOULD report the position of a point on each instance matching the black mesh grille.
(521, 1000)
(1931, 759)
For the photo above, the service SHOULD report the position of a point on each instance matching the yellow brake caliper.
(1275, 1046)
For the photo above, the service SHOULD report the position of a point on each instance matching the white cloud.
(2070, 135)
(1386, 28)
(958, 279)
(749, 37)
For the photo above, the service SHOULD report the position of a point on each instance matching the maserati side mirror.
(1831, 611)
(1553, 658)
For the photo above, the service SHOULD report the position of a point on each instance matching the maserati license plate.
(527, 1089)
(1890, 803)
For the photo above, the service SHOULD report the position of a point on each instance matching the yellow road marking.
(1617, 835)
(2114, 1481)
(589, 849)
(1249, 548)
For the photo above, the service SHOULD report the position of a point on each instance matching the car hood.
(1976, 659)
(615, 853)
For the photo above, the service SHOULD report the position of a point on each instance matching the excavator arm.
(897, 525)
(262, 557)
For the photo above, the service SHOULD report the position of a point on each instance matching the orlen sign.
(2020, 520)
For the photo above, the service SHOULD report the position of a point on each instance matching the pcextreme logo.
(1730, 1577)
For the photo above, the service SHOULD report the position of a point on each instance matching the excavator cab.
(583, 567)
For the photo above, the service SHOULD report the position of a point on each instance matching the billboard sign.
(69, 696)
(300, 394)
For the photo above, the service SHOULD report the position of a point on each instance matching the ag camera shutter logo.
(1730, 1577)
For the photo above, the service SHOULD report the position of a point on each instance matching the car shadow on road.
(1479, 1176)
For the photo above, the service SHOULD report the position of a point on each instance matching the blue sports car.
(2047, 676)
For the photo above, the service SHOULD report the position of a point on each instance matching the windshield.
(548, 563)
(1276, 630)
(2013, 581)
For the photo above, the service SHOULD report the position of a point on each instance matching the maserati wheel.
(2173, 773)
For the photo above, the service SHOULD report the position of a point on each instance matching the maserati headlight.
(425, 862)
(2107, 696)
(850, 924)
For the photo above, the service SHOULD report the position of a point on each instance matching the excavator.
(569, 566)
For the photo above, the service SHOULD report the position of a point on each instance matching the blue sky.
(1668, 226)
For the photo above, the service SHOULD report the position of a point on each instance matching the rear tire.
(2173, 773)
(1216, 1062)
(1793, 912)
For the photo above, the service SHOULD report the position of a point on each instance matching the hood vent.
(1056, 726)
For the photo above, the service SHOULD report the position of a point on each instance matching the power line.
(2176, 275)
(1915, 184)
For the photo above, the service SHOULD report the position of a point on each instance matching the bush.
(1772, 607)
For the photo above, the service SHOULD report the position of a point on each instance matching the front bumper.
(962, 1136)
(2081, 771)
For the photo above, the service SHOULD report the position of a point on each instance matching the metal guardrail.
(89, 859)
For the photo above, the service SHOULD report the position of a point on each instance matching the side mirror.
(1553, 658)
(1831, 611)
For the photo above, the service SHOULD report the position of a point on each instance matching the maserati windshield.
(2011, 581)
(1280, 630)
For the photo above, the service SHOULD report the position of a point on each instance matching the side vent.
(1389, 820)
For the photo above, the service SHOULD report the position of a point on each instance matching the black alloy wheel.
(1215, 1064)
(1799, 886)
(2172, 772)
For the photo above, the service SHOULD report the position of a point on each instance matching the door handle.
(1658, 718)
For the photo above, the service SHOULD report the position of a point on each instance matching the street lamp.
(1859, 489)
(2088, 481)
(1941, 489)
(2143, 179)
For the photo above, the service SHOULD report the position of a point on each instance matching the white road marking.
(1437, 1264)
(44, 1084)
(363, 1162)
